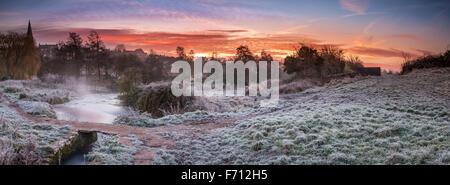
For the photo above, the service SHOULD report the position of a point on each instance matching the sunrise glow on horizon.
(379, 32)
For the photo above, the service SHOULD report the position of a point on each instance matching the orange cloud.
(221, 41)
(379, 52)
(229, 31)
(226, 41)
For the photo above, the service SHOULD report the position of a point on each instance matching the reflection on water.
(78, 157)
(97, 108)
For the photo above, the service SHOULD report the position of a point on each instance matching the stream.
(94, 108)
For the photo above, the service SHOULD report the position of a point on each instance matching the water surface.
(96, 108)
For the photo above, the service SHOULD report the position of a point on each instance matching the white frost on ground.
(108, 150)
(390, 119)
(38, 109)
(378, 120)
(33, 97)
(21, 132)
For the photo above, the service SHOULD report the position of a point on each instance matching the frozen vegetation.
(22, 142)
(209, 109)
(108, 150)
(391, 119)
(133, 118)
(36, 97)
(37, 90)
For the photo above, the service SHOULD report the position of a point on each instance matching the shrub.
(429, 61)
(13, 154)
(306, 61)
(157, 100)
(11, 90)
(352, 64)
(58, 100)
(309, 62)
(40, 109)
(22, 96)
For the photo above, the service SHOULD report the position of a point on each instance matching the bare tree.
(97, 51)
(406, 57)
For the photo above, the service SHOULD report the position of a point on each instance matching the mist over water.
(90, 107)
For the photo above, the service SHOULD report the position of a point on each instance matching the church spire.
(29, 32)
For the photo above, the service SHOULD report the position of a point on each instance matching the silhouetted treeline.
(75, 58)
(309, 62)
(429, 61)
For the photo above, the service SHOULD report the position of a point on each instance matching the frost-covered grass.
(133, 118)
(196, 108)
(206, 108)
(39, 109)
(299, 85)
(108, 150)
(36, 97)
(23, 142)
(36, 90)
(390, 119)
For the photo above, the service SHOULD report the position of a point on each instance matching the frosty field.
(388, 119)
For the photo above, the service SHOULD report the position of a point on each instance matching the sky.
(377, 31)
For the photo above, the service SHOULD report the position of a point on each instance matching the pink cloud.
(229, 31)
(8, 13)
(357, 6)
(405, 36)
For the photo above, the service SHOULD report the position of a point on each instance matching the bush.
(58, 100)
(11, 90)
(40, 109)
(157, 100)
(309, 62)
(429, 61)
(352, 64)
(22, 96)
(306, 61)
(13, 154)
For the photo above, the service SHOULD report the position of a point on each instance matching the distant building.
(30, 31)
(137, 52)
(48, 50)
(365, 71)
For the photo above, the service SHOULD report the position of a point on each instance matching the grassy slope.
(390, 119)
